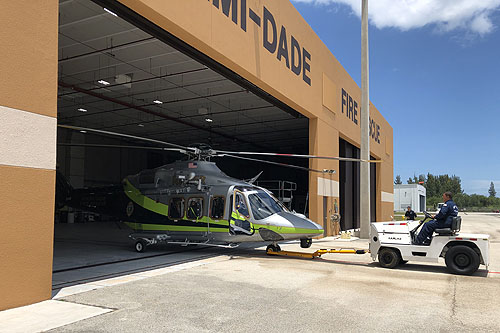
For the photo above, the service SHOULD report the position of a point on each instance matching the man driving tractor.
(442, 219)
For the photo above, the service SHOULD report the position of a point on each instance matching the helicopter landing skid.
(143, 240)
(205, 243)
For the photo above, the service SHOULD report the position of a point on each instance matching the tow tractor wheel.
(388, 258)
(306, 243)
(461, 259)
(272, 247)
(140, 246)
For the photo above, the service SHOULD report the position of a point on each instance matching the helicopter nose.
(315, 228)
(303, 225)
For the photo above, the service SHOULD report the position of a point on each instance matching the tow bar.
(316, 254)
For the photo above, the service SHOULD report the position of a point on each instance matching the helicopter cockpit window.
(263, 205)
(195, 208)
(176, 208)
(217, 208)
(240, 204)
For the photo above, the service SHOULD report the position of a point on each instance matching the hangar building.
(236, 74)
(412, 195)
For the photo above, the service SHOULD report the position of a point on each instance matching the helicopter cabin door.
(239, 221)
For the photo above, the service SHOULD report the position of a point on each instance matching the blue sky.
(434, 75)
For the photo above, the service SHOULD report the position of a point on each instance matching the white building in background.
(413, 195)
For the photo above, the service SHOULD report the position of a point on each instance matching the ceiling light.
(103, 82)
(209, 120)
(82, 110)
(156, 101)
(83, 132)
(107, 10)
(141, 125)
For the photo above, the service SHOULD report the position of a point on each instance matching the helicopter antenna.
(252, 180)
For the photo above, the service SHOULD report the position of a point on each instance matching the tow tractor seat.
(456, 223)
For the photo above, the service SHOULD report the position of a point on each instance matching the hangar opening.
(120, 73)
(349, 175)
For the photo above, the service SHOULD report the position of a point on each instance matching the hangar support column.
(385, 201)
(28, 120)
(323, 188)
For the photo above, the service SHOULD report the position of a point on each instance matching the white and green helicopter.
(193, 202)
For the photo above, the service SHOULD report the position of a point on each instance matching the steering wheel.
(414, 231)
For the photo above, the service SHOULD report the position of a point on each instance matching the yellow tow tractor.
(278, 252)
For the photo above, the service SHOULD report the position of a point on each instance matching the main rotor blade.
(347, 159)
(121, 146)
(276, 163)
(76, 128)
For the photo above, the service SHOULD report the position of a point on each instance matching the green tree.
(398, 181)
(432, 202)
(437, 185)
(492, 191)
(432, 186)
(413, 180)
(462, 200)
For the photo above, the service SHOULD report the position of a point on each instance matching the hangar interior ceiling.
(113, 76)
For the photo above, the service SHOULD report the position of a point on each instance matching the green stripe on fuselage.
(160, 208)
(170, 227)
(136, 196)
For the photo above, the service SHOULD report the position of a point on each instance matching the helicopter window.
(217, 208)
(263, 205)
(241, 205)
(176, 208)
(195, 208)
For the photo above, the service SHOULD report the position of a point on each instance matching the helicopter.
(192, 201)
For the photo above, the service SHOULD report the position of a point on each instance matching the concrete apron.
(278, 274)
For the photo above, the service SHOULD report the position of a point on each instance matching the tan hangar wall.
(28, 110)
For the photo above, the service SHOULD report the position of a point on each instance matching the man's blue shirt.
(446, 214)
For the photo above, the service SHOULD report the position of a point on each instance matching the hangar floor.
(93, 251)
(83, 244)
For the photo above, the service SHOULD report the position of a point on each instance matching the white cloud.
(470, 15)
(482, 24)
